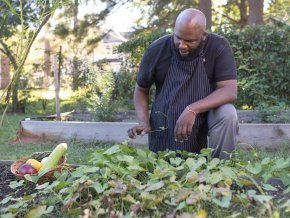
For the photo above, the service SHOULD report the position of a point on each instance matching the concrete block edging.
(265, 135)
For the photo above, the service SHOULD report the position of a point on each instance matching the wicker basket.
(47, 177)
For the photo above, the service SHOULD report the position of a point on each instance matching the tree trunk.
(47, 63)
(17, 106)
(243, 12)
(76, 11)
(205, 7)
(255, 12)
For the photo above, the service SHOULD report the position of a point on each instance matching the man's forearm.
(141, 103)
(222, 95)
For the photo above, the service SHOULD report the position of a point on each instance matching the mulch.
(6, 177)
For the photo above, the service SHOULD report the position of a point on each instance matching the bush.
(262, 57)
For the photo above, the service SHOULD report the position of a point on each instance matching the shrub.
(262, 57)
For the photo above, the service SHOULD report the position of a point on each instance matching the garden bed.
(141, 183)
(82, 126)
(6, 177)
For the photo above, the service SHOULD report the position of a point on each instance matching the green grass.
(257, 154)
(78, 152)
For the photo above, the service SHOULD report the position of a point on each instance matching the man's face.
(187, 39)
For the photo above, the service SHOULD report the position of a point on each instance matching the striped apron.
(186, 82)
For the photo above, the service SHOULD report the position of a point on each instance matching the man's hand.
(184, 124)
(138, 130)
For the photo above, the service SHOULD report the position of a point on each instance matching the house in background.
(4, 72)
(106, 51)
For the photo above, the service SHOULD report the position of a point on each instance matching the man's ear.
(204, 35)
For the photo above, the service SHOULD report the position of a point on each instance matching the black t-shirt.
(218, 56)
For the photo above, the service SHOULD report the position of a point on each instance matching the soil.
(6, 177)
(26, 138)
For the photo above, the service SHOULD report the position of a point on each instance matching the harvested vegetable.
(43, 160)
(36, 164)
(53, 158)
(26, 169)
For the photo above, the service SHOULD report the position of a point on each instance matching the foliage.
(279, 113)
(22, 22)
(125, 181)
(122, 95)
(261, 55)
(280, 10)
(105, 87)
(96, 90)
(136, 46)
(79, 73)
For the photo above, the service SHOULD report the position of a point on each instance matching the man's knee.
(225, 113)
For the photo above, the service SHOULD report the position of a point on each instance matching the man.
(195, 77)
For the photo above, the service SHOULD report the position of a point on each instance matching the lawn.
(12, 149)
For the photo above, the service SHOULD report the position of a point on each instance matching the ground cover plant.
(126, 181)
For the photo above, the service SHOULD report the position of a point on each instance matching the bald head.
(189, 31)
(191, 18)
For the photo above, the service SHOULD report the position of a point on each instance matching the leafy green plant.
(261, 54)
(126, 181)
(279, 113)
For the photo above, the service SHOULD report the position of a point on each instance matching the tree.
(21, 22)
(206, 7)
(280, 9)
(255, 12)
(241, 12)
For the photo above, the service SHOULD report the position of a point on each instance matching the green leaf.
(129, 199)
(281, 163)
(15, 184)
(224, 202)
(90, 169)
(5, 200)
(113, 150)
(155, 186)
(266, 161)
(192, 176)
(269, 187)
(228, 172)
(98, 187)
(43, 186)
(181, 205)
(176, 161)
(33, 179)
(254, 169)
(193, 164)
(39, 211)
(213, 163)
(136, 168)
(125, 158)
(263, 198)
(214, 178)
(287, 190)
(7, 215)
(285, 179)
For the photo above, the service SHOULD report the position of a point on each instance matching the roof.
(276, 21)
(114, 37)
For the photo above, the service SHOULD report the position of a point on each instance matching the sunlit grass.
(78, 152)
